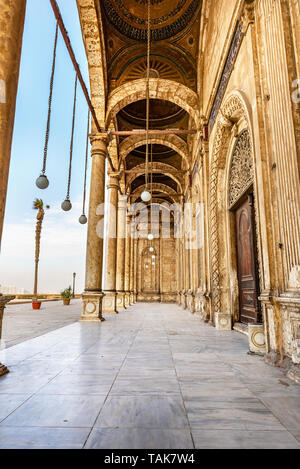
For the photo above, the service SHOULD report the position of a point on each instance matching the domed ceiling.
(169, 18)
(175, 30)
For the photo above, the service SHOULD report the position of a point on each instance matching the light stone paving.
(21, 322)
(151, 377)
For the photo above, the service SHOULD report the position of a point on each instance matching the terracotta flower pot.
(36, 304)
(66, 301)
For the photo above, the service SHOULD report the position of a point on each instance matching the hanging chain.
(148, 92)
(86, 162)
(151, 180)
(72, 139)
(50, 102)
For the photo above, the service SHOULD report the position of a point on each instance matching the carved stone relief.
(241, 172)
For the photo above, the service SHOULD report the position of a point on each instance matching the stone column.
(121, 246)
(127, 263)
(109, 303)
(131, 276)
(12, 16)
(135, 254)
(161, 260)
(92, 297)
(3, 301)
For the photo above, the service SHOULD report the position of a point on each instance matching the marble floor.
(21, 322)
(151, 377)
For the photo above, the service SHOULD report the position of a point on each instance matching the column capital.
(99, 144)
(114, 180)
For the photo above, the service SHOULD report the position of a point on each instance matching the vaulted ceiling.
(175, 26)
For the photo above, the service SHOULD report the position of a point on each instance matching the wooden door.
(247, 262)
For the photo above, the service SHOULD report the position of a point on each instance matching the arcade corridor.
(153, 376)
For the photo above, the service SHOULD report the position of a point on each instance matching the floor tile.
(79, 384)
(139, 439)
(143, 412)
(42, 438)
(232, 439)
(10, 402)
(233, 418)
(56, 411)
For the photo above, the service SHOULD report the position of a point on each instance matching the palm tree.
(38, 204)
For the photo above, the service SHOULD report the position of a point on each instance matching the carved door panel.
(247, 263)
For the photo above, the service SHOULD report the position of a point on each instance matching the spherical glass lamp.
(151, 249)
(146, 196)
(150, 237)
(66, 205)
(153, 257)
(83, 219)
(42, 182)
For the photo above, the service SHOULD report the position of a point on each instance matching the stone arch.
(154, 168)
(171, 141)
(92, 29)
(162, 188)
(234, 109)
(167, 90)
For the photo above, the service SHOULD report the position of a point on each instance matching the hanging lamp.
(146, 195)
(42, 181)
(83, 218)
(66, 205)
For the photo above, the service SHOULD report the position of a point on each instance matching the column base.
(3, 370)
(127, 299)
(109, 303)
(131, 300)
(185, 300)
(223, 321)
(191, 301)
(294, 373)
(121, 300)
(92, 307)
(257, 342)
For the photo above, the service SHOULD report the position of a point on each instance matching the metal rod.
(66, 38)
(153, 132)
(142, 171)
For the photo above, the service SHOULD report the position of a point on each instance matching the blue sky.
(63, 238)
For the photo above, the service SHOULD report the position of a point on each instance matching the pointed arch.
(167, 90)
(171, 141)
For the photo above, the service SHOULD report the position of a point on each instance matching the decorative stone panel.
(241, 171)
(256, 334)
(92, 307)
(223, 321)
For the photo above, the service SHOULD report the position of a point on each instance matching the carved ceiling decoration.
(175, 29)
(241, 171)
(158, 69)
(169, 18)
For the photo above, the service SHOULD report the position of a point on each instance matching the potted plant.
(66, 295)
(38, 204)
